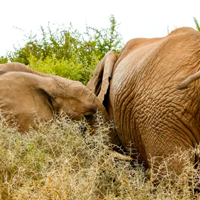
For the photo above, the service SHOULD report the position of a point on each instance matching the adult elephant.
(139, 90)
(28, 95)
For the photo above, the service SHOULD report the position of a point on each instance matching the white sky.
(137, 18)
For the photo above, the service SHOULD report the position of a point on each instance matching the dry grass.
(58, 162)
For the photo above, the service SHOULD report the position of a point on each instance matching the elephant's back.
(148, 105)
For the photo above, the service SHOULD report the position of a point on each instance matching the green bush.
(3, 59)
(197, 24)
(65, 51)
(62, 67)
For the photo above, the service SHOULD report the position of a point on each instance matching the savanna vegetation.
(58, 161)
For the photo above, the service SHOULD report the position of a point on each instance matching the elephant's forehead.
(77, 91)
(69, 86)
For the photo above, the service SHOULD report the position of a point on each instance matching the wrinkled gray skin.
(29, 95)
(142, 91)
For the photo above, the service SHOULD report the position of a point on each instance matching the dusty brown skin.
(29, 95)
(141, 90)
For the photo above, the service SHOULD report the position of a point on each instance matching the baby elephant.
(27, 95)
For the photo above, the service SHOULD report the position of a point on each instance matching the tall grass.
(58, 161)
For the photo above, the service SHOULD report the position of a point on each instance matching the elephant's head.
(71, 97)
(28, 94)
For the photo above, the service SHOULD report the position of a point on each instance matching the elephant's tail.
(188, 81)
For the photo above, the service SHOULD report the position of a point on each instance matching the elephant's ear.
(48, 91)
(100, 80)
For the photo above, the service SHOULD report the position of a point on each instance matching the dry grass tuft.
(58, 162)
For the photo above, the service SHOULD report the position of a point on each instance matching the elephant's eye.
(89, 117)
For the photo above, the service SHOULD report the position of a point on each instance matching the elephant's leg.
(116, 142)
(169, 155)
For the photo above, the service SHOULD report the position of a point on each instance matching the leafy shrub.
(197, 24)
(62, 67)
(3, 59)
(65, 51)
